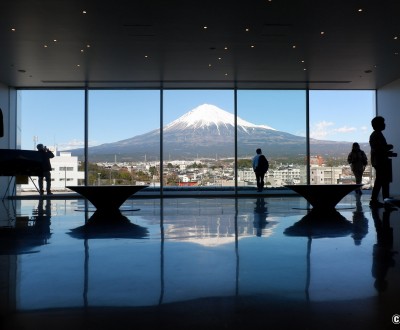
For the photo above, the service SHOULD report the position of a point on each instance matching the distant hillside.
(209, 132)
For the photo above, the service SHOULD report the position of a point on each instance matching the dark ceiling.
(319, 44)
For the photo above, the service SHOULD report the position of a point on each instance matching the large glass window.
(199, 138)
(54, 118)
(274, 121)
(198, 135)
(124, 137)
(337, 120)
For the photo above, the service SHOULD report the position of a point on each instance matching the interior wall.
(388, 106)
(8, 102)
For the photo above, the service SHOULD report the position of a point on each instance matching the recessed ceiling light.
(226, 48)
(396, 37)
(210, 65)
(247, 30)
(220, 58)
(252, 46)
(84, 12)
(360, 10)
(205, 27)
(322, 33)
(294, 46)
(55, 40)
(13, 29)
(87, 46)
(45, 46)
(82, 51)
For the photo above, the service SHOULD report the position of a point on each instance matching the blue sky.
(56, 117)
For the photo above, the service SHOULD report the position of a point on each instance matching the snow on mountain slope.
(207, 115)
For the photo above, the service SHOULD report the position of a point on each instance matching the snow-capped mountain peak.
(207, 115)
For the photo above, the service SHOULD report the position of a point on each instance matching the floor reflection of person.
(383, 249)
(260, 215)
(42, 218)
(360, 222)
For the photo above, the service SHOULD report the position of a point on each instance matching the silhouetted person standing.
(357, 160)
(46, 154)
(260, 167)
(380, 151)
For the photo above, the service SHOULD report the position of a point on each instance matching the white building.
(325, 175)
(64, 173)
(275, 177)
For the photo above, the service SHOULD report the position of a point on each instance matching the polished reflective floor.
(187, 263)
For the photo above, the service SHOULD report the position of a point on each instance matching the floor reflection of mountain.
(114, 225)
(318, 225)
(210, 231)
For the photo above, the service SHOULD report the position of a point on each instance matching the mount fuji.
(208, 131)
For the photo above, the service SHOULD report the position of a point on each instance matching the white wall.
(388, 106)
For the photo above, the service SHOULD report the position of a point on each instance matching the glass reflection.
(26, 234)
(176, 250)
(383, 252)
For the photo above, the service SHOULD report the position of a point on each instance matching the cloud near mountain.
(209, 132)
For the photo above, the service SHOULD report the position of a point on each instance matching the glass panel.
(274, 121)
(124, 137)
(337, 120)
(54, 118)
(199, 138)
